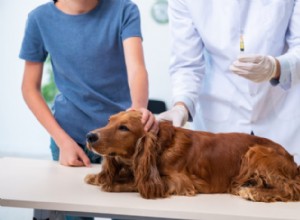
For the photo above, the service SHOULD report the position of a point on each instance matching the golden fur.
(179, 161)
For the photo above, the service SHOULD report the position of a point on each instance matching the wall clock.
(159, 11)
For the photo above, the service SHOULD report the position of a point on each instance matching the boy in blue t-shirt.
(98, 65)
(97, 59)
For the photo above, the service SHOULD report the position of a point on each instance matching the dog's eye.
(123, 128)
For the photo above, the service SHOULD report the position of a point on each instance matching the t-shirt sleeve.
(32, 48)
(131, 23)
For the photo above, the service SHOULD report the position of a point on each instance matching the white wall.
(20, 133)
(156, 49)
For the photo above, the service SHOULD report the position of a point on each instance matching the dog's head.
(119, 137)
(124, 140)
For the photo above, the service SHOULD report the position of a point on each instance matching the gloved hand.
(256, 68)
(178, 115)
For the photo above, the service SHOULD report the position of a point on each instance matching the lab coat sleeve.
(290, 61)
(187, 59)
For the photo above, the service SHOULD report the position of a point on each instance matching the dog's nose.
(91, 137)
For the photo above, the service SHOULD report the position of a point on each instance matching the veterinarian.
(235, 67)
(98, 65)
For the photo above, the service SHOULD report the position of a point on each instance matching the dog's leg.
(179, 184)
(266, 175)
(287, 193)
(109, 170)
(271, 189)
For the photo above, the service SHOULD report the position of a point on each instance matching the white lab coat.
(219, 100)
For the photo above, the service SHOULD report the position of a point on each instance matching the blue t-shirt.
(87, 58)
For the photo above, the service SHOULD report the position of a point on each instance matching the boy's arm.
(70, 153)
(138, 80)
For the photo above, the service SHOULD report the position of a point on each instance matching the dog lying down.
(179, 161)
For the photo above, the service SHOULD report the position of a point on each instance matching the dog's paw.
(92, 179)
(107, 188)
(246, 193)
(189, 192)
(152, 190)
(104, 178)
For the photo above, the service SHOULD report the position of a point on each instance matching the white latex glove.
(256, 68)
(178, 115)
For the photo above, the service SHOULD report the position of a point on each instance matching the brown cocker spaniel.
(178, 161)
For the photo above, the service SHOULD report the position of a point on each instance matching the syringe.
(242, 46)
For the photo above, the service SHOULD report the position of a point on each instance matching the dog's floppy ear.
(147, 176)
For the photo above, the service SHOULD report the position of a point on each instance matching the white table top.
(43, 184)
